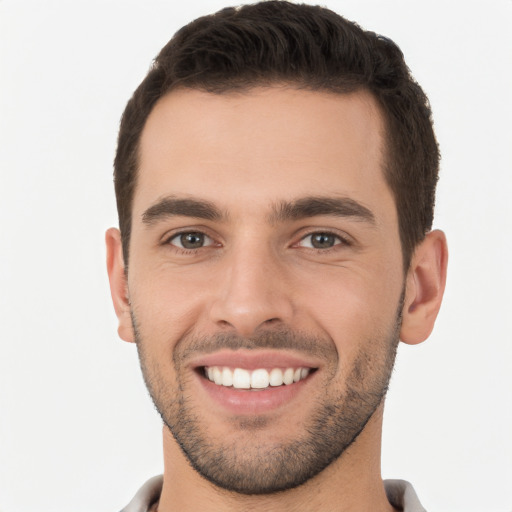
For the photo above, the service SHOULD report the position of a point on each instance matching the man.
(275, 179)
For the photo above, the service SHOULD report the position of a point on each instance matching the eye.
(321, 240)
(191, 240)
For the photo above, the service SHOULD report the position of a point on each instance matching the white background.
(77, 430)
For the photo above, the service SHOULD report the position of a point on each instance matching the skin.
(258, 272)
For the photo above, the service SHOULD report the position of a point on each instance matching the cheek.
(351, 307)
(167, 301)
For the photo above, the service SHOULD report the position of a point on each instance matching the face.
(265, 278)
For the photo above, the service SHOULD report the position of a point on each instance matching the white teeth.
(288, 376)
(227, 377)
(276, 377)
(217, 375)
(241, 379)
(259, 379)
(256, 379)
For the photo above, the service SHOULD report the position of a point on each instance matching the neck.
(351, 483)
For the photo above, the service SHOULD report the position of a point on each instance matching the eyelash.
(339, 241)
(183, 250)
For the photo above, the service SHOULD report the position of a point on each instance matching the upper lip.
(254, 359)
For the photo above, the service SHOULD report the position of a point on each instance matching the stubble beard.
(335, 423)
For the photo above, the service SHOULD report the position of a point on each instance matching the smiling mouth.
(258, 379)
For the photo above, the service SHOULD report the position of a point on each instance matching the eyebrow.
(281, 212)
(173, 206)
(316, 206)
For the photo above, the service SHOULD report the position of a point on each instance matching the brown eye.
(191, 240)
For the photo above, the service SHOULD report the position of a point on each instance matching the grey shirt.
(400, 494)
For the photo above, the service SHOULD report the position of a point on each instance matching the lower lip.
(253, 401)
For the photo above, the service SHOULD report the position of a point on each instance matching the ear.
(118, 284)
(425, 284)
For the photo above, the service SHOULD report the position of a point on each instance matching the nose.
(253, 292)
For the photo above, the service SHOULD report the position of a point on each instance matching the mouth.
(257, 379)
(253, 382)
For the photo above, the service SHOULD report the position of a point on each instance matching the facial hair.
(256, 467)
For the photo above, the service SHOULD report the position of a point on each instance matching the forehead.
(261, 146)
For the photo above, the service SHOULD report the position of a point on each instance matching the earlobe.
(425, 285)
(118, 284)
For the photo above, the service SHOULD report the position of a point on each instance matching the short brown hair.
(309, 47)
